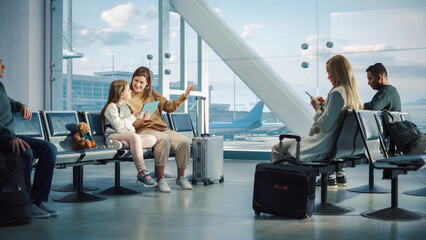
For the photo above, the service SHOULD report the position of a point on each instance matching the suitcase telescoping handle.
(204, 134)
(280, 154)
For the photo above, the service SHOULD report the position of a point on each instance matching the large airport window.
(107, 40)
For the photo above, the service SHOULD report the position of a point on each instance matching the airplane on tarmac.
(268, 128)
(251, 121)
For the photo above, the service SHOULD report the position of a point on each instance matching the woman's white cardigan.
(318, 145)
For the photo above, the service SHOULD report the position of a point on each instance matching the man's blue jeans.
(46, 154)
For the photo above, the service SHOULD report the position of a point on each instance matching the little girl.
(118, 119)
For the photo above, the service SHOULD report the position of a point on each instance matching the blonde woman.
(343, 95)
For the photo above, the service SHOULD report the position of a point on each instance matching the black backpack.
(402, 133)
(15, 200)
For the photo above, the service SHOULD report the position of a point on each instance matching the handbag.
(402, 133)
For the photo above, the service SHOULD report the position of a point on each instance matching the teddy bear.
(82, 139)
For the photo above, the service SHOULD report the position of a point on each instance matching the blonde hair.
(116, 88)
(342, 70)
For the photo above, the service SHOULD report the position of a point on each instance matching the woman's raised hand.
(189, 89)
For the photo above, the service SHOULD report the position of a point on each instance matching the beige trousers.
(170, 140)
(276, 149)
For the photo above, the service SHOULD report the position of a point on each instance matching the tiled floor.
(218, 211)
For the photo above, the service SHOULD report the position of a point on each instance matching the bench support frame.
(79, 195)
(117, 189)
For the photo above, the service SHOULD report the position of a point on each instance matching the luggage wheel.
(205, 183)
(221, 180)
(194, 182)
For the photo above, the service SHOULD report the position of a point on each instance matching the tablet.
(150, 106)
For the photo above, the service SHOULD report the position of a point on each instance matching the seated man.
(28, 148)
(387, 97)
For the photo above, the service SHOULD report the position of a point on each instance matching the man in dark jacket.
(29, 148)
(387, 97)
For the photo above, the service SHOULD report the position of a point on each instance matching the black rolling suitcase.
(284, 188)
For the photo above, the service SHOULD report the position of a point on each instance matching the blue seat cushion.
(27, 128)
(181, 122)
(62, 124)
(95, 123)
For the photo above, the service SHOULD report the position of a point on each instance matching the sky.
(389, 31)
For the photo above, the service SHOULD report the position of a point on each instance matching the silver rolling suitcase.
(207, 156)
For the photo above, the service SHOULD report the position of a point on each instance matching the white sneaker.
(184, 183)
(114, 144)
(37, 212)
(52, 212)
(163, 186)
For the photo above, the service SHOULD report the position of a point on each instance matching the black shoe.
(342, 181)
(331, 183)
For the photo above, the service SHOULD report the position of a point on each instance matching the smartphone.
(309, 94)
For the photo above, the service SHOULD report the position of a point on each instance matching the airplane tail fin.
(254, 115)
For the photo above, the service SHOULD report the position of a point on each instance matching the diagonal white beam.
(250, 67)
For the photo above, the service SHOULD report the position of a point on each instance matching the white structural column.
(47, 55)
(22, 28)
(69, 60)
(56, 81)
(250, 67)
(182, 54)
(203, 82)
(183, 68)
(163, 46)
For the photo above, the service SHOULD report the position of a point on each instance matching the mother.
(167, 139)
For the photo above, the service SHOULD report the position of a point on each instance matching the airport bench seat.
(389, 147)
(180, 122)
(348, 148)
(60, 128)
(348, 144)
(93, 119)
(392, 166)
(32, 128)
(391, 150)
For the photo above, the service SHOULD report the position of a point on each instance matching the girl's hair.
(144, 72)
(116, 88)
(342, 70)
